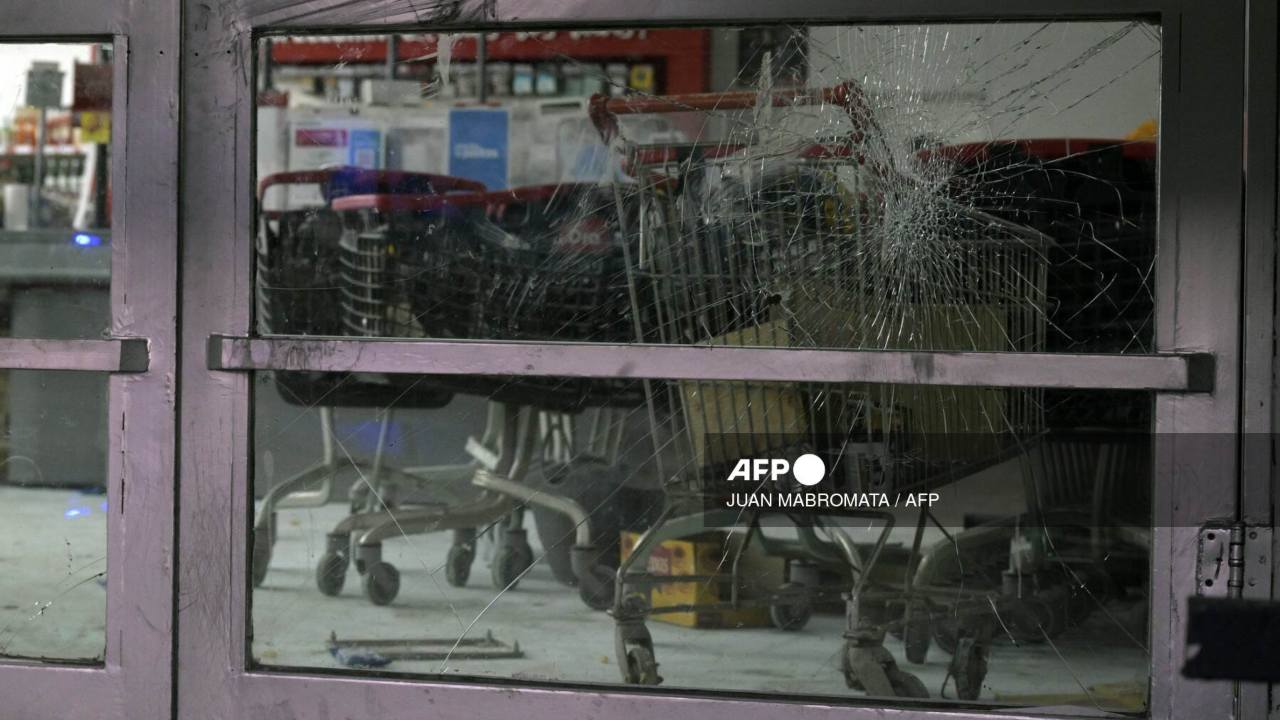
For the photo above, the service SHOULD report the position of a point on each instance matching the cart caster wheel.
(894, 621)
(509, 564)
(1095, 584)
(945, 634)
(969, 668)
(855, 660)
(381, 583)
(358, 500)
(642, 667)
(915, 633)
(870, 668)
(457, 568)
(261, 558)
(1087, 588)
(793, 610)
(331, 573)
(846, 670)
(1026, 621)
(1058, 620)
(635, 604)
(597, 591)
(597, 599)
(906, 685)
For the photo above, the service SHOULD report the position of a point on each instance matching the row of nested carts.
(822, 243)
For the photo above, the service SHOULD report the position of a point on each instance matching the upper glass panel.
(959, 187)
(55, 210)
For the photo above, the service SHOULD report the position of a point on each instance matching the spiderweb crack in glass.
(879, 187)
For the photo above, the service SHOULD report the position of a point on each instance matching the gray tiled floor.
(564, 640)
(52, 605)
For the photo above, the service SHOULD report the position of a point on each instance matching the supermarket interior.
(816, 362)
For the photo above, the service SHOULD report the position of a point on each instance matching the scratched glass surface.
(960, 187)
(53, 506)
(976, 187)
(996, 540)
(55, 267)
(55, 218)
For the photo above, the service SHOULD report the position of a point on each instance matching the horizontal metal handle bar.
(119, 355)
(1168, 372)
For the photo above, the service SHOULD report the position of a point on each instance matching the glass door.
(743, 360)
(88, 264)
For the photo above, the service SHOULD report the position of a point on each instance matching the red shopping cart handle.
(293, 177)
(420, 203)
(604, 110)
(371, 181)
(428, 202)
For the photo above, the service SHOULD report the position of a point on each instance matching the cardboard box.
(728, 420)
(701, 555)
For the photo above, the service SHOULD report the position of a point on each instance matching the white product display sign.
(316, 144)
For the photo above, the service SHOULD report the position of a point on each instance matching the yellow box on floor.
(701, 555)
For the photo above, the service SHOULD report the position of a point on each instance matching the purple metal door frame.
(135, 679)
(1198, 285)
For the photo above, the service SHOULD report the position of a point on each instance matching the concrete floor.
(53, 563)
(563, 640)
(52, 604)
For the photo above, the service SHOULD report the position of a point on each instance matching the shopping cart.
(1085, 538)
(297, 293)
(540, 263)
(788, 246)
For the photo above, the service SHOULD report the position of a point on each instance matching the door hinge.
(1233, 560)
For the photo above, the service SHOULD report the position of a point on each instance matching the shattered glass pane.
(930, 187)
(55, 276)
(961, 187)
(463, 530)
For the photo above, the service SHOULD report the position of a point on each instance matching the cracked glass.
(55, 270)
(912, 187)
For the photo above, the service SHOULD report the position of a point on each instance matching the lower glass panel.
(53, 506)
(996, 541)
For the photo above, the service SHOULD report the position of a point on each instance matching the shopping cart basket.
(538, 263)
(1084, 539)
(787, 248)
(297, 292)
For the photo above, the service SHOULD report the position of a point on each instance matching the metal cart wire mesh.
(297, 293)
(297, 246)
(789, 257)
(1084, 540)
(538, 263)
(746, 246)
